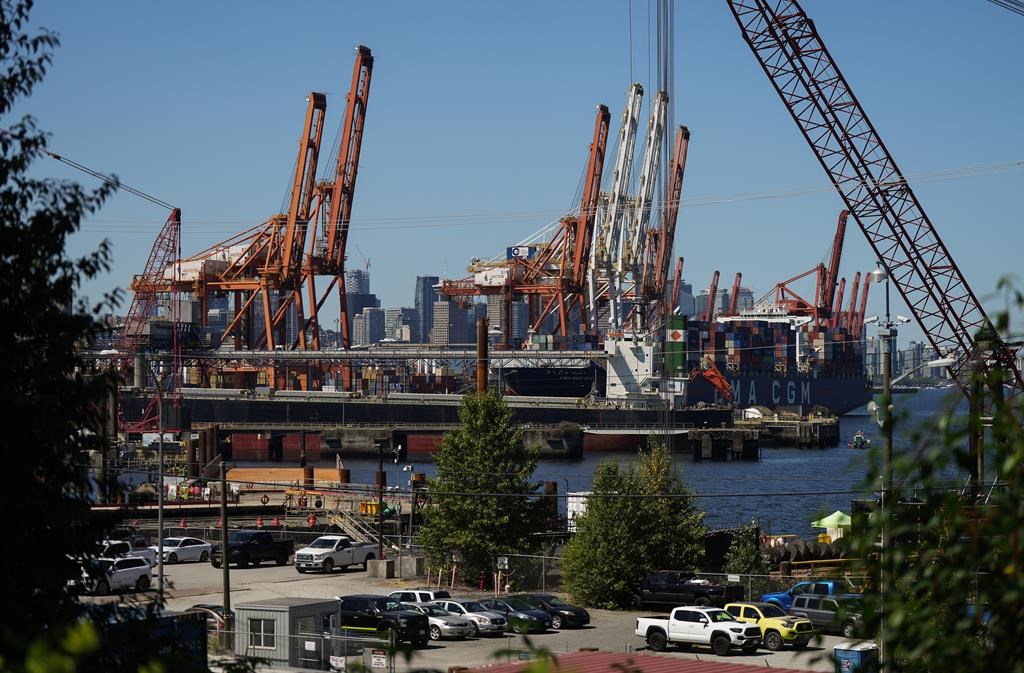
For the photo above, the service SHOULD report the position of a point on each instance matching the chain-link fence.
(524, 572)
(338, 650)
(754, 586)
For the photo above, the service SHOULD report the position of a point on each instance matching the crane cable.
(110, 180)
(1015, 6)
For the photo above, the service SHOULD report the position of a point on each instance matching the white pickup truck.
(688, 626)
(129, 547)
(328, 552)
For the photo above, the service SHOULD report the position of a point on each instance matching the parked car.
(111, 574)
(563, 615)
(834, 614)
(378, 614)
(667, 589)
(328, 552)
(181, 549)
(253, 546)
(441, 623)
(133, 546)
(777, 627)
(485, 622)
(419, 595)
(689, 626)
(784, 599)
(520, 616)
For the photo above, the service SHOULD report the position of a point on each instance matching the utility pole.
(224, 555)
(380, 500)
(160, 491)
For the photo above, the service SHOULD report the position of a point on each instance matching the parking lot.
(188, 584)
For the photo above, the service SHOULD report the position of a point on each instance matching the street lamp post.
(888, 335)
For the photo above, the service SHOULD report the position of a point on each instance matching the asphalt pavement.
(191, 583)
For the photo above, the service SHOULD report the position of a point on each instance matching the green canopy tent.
(833, 524)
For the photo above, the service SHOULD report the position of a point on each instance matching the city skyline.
(212, 128)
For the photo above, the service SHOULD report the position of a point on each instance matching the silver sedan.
(443, 624)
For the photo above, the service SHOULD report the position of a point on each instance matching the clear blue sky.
(487, 108)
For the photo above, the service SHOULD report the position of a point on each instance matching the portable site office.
(300, 633)
(288, 631)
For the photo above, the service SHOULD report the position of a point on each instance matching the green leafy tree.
(483, 499)
(641, 517)
(956, 594)
(53, 393)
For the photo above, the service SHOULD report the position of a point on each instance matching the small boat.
(859, 441)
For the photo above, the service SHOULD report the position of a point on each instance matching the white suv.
(418, 595)
(110, 574)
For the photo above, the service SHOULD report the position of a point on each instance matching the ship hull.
(839, 395)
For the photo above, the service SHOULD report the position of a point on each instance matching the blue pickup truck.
(784, 599)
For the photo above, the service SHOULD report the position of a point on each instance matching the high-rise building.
(368, 327)
(451, 324)
(424, 299)
(397, 318)
(357, 281)
(687, 302)
(721, 303)
(520, 320)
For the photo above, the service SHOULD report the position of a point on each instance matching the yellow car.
(777, 628)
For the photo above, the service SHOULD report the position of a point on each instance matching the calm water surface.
(735, 492)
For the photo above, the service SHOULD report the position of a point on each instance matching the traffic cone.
(259, 522)
(183, 524)
(277, 521)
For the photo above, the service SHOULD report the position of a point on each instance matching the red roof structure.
(637, 662)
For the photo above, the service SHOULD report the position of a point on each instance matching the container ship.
(780, 361)
(770, 357)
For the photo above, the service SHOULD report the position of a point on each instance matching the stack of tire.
(804, 550)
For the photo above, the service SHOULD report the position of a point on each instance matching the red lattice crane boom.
(801, 69)
(147, 287)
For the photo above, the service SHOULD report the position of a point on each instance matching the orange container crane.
(709, 311)
(734, 297)
(828, 285)
(658, 255)
(268, 266)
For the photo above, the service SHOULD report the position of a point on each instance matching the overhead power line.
(451, 220)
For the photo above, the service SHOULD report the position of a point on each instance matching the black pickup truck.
(376, 615)
(253, 546)
(668, 589)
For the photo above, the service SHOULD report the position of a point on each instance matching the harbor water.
(784, 491)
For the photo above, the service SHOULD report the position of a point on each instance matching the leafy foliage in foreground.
(44, 384)
(957, 565)
(641, 518)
